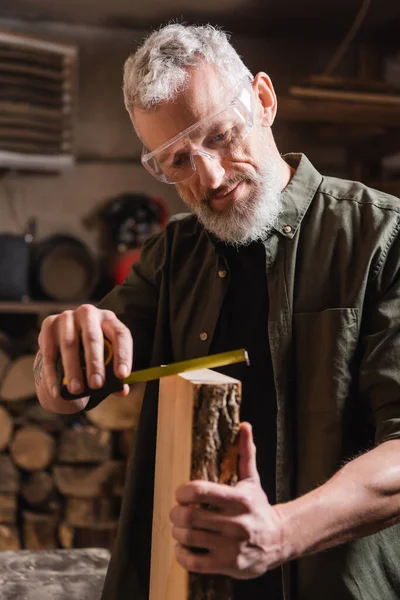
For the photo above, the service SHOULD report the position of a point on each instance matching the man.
(302, 270)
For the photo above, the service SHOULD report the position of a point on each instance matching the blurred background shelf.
(37, 307)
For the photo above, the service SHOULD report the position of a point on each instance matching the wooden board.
(193, 409)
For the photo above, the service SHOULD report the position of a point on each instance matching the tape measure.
(114, 384)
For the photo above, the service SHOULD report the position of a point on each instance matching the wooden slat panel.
(13, 94)
(23, 108)
(46, 87)
(37, 83)
(29, 137)
(40, 73)
(31, 57)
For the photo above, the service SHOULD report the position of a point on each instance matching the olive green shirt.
(332, 266)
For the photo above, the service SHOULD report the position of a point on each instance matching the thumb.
(247, 454)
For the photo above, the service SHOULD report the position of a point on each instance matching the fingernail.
(96, 381)
(54, 391)
(123, 370)
(75, 386)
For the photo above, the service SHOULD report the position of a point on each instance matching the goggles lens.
(212, 137)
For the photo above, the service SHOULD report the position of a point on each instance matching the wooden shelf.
(37, 307)
(326, 111)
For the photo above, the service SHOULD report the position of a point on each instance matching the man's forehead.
(206, 94)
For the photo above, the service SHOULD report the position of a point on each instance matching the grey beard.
(251, 218)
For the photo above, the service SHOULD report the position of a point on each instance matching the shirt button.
(287, 229)
(203, 336)
(222, 274)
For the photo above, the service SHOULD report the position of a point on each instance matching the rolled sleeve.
(135, 303)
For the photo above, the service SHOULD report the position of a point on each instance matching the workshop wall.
(107, 149)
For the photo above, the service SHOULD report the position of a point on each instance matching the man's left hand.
(239, 533)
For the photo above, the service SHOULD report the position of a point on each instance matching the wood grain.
(198, 425)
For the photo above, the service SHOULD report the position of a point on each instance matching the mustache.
(228, 184)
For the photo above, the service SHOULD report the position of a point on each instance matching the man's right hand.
(62, 334)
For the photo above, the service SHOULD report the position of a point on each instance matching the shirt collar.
(298, 194)
(296, 197)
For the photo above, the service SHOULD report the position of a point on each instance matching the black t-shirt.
(243, 323)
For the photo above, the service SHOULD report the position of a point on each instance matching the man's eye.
(221, 136)
(218, 139)
(179, 160)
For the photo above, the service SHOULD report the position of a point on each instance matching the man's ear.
(265, 94)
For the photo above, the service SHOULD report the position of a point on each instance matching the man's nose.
(209, 170)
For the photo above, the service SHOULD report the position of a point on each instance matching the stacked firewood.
(61, 477)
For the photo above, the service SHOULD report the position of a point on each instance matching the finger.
(247, 454)
(198, 518)
(68, 340)
(197, 538)
(49, 349)
(216, 495)
(122, 343)
(198, 562)
(123, 392)
(87, 319)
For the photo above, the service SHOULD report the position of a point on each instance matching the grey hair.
(158, 70)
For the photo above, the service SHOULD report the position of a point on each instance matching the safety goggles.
(212, 137)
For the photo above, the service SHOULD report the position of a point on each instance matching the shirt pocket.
(324, 345)
(324, 352)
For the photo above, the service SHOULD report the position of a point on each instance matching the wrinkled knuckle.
(47, 358)
(108, 315)
(194, 564)
(197, 488)
(94, 365)
(187, 537)
(188, 518)
(92, 336)
(121, 331)
(47, 323)
(69, 342)
(174, 514)
(245, 501)
(237, 562)
(245, 529)
(64, 316)
(85, 310)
